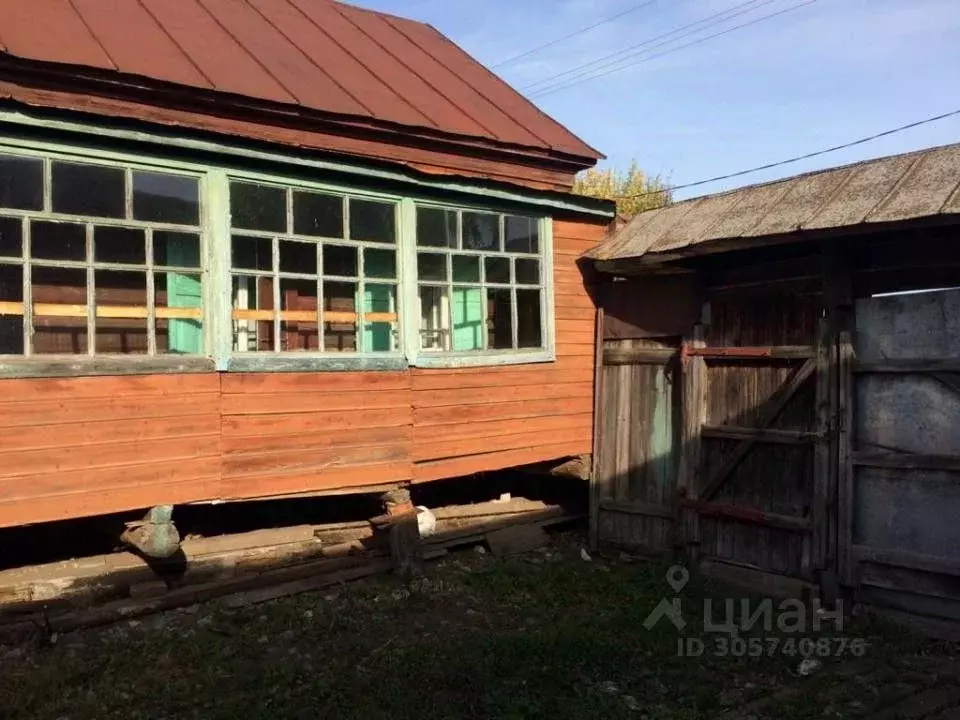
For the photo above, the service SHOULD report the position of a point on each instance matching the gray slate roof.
(900, 187)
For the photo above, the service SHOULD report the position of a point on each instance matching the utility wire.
(574, 34)
(710, 20)
(565, 85)
(768, 166)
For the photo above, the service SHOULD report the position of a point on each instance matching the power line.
(710, 21)
(768, 166)
(566, 85)
(574, 34)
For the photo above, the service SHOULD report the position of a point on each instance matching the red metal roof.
(320, 55)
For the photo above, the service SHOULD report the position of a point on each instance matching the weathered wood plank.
(638, 356)
(821, 461)
(763, 583)
(906, 461)
(753, 516)
(761, 435)
(693, 394)
(455, 467)
(846, 477)
(642, 509)
(786, 352)
(930, 365)
(770, 413)
(598, 440)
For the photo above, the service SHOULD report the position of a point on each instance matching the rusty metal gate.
(900, 453)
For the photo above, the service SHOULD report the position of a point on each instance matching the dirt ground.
(548, 634)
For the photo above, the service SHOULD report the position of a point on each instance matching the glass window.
(21, 183)
(478, 291)
(258, 207)
(308, 288)
(105, 273)
(166, 198)
(89, 190)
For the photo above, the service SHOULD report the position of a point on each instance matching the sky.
(823, 74)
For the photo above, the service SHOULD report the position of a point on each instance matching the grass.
(546, 635)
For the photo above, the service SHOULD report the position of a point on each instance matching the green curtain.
(185, 335)
(467, 319)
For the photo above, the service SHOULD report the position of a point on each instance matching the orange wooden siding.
(87, 446)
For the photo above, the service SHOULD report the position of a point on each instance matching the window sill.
(267, 362)
(73, 366)
(455, 360)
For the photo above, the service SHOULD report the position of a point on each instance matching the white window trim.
(217, 305)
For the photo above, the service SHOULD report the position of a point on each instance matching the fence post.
(693, 372)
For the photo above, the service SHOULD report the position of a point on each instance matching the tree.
(634, 191)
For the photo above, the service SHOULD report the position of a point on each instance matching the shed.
(265, 248)
(780, 387)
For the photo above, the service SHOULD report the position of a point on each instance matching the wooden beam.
(102, 311)
(907, 461)
(643, 509)
(768, 435)
(911, 560)
(598, 363)
(845, 468)
(638, 356)
(311, 316)
(693, 403)
(786, 352)
(753, 516)
(821, 452)
(939, 365)
(770, 413)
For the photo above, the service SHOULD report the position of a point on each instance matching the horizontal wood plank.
(297, 440)
(44, 412)
(489, 395)
(311, 460)
(453, 448)
(493, 428)
(456, 467)
(767, 435)
(262, 425)
(639, 356)
(906, 461)
(56, 435)
(907, 366)
(905, 559)
(293, 403)
(641, 509)
(503, 411)
(314, 382)
(271, 484)
(34, 389)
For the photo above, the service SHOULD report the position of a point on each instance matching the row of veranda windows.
(109, 259)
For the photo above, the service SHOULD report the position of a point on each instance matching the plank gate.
(826, 466)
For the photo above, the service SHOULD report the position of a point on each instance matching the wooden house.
(263, 248)
(781, 383)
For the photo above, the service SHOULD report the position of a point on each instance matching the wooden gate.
(900, 453)
(634, 504)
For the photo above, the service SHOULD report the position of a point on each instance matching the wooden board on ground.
(516, 539)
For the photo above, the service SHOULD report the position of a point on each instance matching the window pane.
(120, 293)
(58, 241)
(119, 245)
(11, 324)
(522, 234)
(499, 319)
(258, 207)
(340, 260)
(166, 198)
(252, 253)
(527, 271)
(436, 227)
(179, 299)
(497, 269)
(21, 183)
(434, 319)
(340, 317)
(466, 268)
(379, 263)
(252, 313)
(61, 327)
(178, 249)
(298, 257)
(298, 330)
(372, 221)
(11, 242)
(431, 266)
(529, 334)
(380, 318)
(481, 231)
(317, 214)
(88, 190)
(467, 318)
